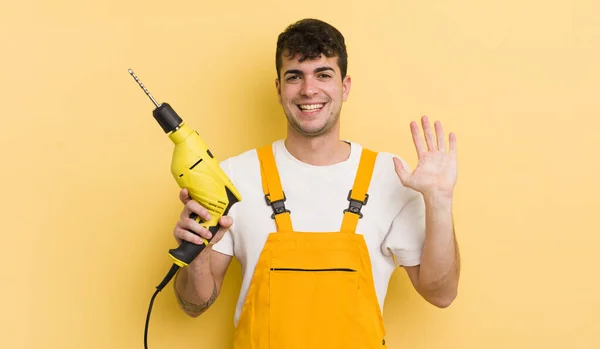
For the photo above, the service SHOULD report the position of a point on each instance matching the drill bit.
(143, 88)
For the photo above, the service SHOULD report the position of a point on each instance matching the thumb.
(401, 171)
(225, 222)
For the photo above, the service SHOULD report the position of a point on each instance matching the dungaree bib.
(312, 290)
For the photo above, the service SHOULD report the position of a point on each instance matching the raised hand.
(436, 171)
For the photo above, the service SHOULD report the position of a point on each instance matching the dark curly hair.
(310, 38)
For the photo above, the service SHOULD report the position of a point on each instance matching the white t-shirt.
(393, 221)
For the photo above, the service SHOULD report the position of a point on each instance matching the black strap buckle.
(356, 205)
(278, 205)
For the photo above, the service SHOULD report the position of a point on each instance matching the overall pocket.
(313, 307)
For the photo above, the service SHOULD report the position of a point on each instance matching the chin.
(311, 130)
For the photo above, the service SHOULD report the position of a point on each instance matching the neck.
(323, 150)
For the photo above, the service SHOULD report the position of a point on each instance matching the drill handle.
(187, 251)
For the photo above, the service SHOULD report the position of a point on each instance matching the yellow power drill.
(194, 167)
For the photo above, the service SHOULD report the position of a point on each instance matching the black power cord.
(159, 288)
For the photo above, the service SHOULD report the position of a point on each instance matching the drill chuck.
(167, 118)
(164, 114)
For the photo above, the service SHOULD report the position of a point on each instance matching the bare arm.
(436, 278)
(198, 285)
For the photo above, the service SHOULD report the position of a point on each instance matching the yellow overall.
(312, 290)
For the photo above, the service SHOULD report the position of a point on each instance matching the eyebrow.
(318, 70)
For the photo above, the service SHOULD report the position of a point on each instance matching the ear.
(278, 88)
(346, 87)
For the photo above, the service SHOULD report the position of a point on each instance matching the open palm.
(436, 171)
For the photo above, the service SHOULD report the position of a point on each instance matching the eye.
(324, 76)
(292, 77)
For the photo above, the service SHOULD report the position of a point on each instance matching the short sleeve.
(225, 245)
(406, 236)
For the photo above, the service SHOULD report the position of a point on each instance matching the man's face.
(311, 93)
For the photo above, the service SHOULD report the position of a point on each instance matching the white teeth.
(310, 106)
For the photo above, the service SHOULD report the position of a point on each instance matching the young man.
(324, 222)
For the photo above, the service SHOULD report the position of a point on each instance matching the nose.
(309, 87)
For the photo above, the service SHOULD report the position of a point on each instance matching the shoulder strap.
(274, 195)
(358, 196)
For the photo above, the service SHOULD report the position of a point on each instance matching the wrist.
(438, 200)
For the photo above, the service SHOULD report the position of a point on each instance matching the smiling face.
(311, 93)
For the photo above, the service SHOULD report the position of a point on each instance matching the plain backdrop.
(88, 202)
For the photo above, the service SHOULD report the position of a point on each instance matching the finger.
(175, 235)
(400, 170)
(428, 133)
(452, 144)
(414, 130)
(225, 222)
(439, 134)
(195, 227)
(218, 236)
(194, 207)
(185, 235)
(184, 196)
(185, 213)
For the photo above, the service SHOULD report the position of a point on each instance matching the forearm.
(440, 260)
(195, 286)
